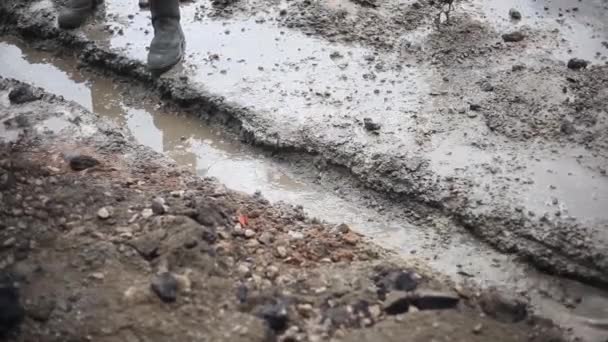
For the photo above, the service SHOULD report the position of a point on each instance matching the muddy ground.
(501, 138)
(106, 240)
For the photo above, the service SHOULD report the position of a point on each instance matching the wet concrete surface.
(208, 152)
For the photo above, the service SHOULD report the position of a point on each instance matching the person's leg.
(167, 47)
(75, 12)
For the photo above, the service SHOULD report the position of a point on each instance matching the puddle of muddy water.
(207, 152)
(296, 80)
(582, 25)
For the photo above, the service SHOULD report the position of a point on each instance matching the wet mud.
(501, 137)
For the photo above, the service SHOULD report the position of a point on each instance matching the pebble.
(296, 235)
(272, 272)
(177, 194)
(103, 213)
(265, 238)
(22, 94)
(477, 329)
(281, 251)
(164, 285)
(97, 275)
(9, 242)
(514, 14)
(249, 233)
(370, 125)
(513, 37)
(577, 63)
(243, 270)
(238, 230)
(147, 213)
(158, 206)
(81, 162)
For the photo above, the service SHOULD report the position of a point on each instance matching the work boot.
(167, 47)
(76, 12)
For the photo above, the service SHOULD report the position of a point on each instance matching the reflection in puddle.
(294, 79)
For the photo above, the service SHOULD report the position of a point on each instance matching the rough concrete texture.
(500, 135)
(132, 248)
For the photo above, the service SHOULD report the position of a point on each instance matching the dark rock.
(503, 307)
(22, 94)
(514, 14)
(487, 86)
(577, 63)
(475, 107)
(211, 214)
(275, 314)
(396, 303)
(81, 162)
(7, 180)
(165, 287)
(430, 300)
(405, 281)
(148, 245)
(567, 127)
(513, 37)
(518, 67)
(242, 293)
(41, 309)
(11, 312)
(371, 125)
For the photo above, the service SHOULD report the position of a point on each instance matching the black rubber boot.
(76, 12)
(167, 47)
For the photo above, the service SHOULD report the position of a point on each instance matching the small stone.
(249, 233)
(158, 206)
(503, 307)
(79, 162)
(343, 228)
(351, 238)
(97, 275)
(275, 315)
(477, 329)
(165, 286)
(147, 213)
(104, 213)
(475, 106)
(513, 37)
(238, 230)
(305, 309)
(9, 242)
(266, 238)
(518, 67)
(177, 194)
(22, 94)
(41, 309)
(272, 272)
(375, 311)
(282, 252)
(370, 125)
(243, 270)
(295, 236)
(514, 14)
(487, 86)
(577, 63)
